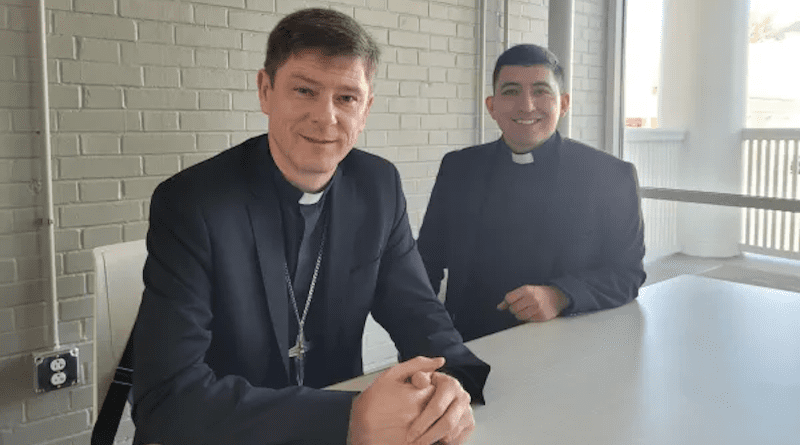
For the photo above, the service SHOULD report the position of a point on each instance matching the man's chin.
(525, 146)
(320, 167)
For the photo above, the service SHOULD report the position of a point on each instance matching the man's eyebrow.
(350, 89)
(300, 76)
(509, 84)
(540, 83)
(347, 88)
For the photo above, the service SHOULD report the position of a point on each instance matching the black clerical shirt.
(301, 257)
(514, 231)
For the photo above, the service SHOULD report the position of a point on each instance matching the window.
(773, 99)
(642, 62)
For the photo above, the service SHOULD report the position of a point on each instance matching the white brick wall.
(588, 85)
(140, 89)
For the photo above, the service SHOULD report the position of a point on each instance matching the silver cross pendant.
(298, 354)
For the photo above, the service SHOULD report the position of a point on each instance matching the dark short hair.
(325, 30)
(529, 55)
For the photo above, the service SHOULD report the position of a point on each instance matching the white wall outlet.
(58, 364)
(58, 379)
(55, 370)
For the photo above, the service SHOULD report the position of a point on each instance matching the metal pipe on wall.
(48, 221)
(506, 26)
(560, 24)
(615, 80)
(482, 73)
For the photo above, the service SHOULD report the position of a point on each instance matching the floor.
(759, 270)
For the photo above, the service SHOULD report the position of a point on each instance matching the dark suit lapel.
(476, 192)
(564, 209)
(268, 235)
(345, 214)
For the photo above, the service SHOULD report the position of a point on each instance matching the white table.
(693, 360)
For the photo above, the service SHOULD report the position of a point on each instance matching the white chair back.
(118, 293)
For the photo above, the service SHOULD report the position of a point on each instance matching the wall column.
(703, 91)
(560, 24)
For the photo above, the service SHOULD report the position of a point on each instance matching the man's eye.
(304, 91)
(348, 99)
(510, 92)
(541, 91)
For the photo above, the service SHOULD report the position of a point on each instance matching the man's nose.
(528, 102)
(324, 111)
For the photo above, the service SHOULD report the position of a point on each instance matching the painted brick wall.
(141, 89)
(589, 72)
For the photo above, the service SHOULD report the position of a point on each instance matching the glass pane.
(643, 21)
(773, 99)
(677, 132)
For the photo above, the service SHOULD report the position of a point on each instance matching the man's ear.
(370, 101)
(565, 102)
(490, 104)
(264, 90)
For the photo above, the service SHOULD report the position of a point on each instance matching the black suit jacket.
(211, 340)
(594, 213)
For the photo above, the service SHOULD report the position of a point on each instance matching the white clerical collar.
(311, 198)
(522, 158)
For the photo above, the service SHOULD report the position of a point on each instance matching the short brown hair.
(325, 30)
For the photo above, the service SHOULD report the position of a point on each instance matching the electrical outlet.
(55, 370)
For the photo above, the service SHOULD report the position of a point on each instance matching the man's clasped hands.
(412, 403)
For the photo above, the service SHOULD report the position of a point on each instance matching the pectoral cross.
(298, 353)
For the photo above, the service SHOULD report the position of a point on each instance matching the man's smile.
(317, 141)
(526, 121)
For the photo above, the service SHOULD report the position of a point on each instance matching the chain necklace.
(301, 346)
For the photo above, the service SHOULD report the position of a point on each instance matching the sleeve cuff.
(472, 379)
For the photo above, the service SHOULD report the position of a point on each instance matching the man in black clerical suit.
(533, 225)
(264, 261)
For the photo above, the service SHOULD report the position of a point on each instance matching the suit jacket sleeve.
(178, 398)
(406, 306)
(619, 272)
(433, 234)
